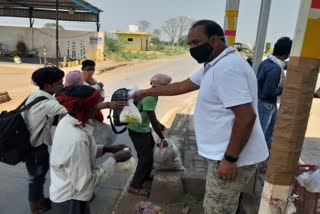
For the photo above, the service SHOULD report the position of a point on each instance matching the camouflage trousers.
(222, 197)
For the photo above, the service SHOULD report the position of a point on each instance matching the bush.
(113, 45)
(169, 50)
(22, 48)
(138, 55)
(157, 48)
(115, 49)
(183, 41)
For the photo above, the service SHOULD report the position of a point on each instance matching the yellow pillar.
(230, 21)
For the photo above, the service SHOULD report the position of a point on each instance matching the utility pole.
(261, 33)
(57, 33)
(294, 110)
(231, 20)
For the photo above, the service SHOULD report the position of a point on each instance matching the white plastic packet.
(130, 113)
(168, 157)
(102, 132)
(128, 166)
(310, 180)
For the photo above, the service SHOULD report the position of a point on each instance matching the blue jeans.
(37, 165)
(267, 114)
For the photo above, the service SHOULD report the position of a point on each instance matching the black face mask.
(201, 53)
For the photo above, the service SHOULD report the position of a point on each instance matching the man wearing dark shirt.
(270, 77)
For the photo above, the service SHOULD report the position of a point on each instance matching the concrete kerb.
(100, 67)
(190, 181)
(167, 187)
(182, 130)
(111, 67)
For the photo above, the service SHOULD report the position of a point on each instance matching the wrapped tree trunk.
(296, 100)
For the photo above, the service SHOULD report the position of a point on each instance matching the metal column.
(261, 33)
(57, 33)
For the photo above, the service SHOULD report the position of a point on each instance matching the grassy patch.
(116, 50)
(169, 50)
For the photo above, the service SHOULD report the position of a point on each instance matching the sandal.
(139, 191)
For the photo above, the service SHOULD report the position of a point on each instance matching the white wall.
(39, 38)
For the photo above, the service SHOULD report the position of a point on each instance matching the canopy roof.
(69, 10)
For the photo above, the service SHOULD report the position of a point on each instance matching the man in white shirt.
(73, 170)
(228, 132)
(39, 119)
(88, 68)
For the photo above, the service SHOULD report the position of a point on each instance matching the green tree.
(155, 40)
(184, 24)
(112, 45)
(144, 25)
(268, 47)
(183, 41)
(171, 28)
(157, 32)
(52, 26)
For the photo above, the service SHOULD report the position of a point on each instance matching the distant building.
(135, 40)
(72, 44)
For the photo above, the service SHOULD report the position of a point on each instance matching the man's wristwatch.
(230, 158)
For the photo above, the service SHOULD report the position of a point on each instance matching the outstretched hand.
(138, 95)
(117, 104)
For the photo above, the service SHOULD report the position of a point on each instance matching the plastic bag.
(145, 207)
(130, 113)
(310, 180)
(167, 157)
(102, 133)
(128, 166)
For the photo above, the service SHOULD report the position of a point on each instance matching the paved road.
(13, 180)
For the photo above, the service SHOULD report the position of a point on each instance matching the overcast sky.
(118, 14)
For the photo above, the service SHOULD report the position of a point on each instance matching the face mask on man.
(201, 53)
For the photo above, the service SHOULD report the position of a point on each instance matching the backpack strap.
(113, 126)
(22, 107)
(39, 133)
(56, 120)
(23, 103)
